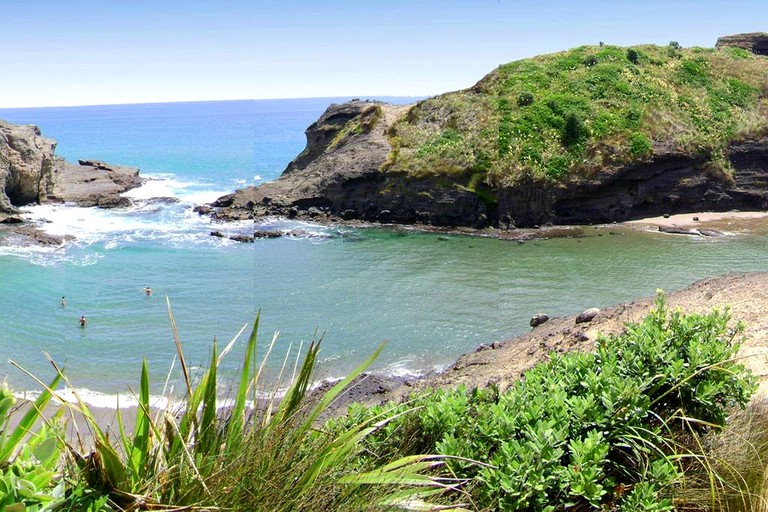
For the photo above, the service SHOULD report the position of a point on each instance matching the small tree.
(574, 131)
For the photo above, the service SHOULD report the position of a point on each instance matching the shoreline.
(729, 222)
(502, 363)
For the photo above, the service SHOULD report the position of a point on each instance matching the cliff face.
(755, 42)
(671, 182)
(342, 174)
(26, 165)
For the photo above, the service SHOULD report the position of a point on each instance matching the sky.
(95, 52)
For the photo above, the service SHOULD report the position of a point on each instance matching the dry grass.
(732, 474)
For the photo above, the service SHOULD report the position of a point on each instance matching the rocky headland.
(30, 173)
(592, 135)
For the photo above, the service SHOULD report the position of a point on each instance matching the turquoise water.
(431, 298)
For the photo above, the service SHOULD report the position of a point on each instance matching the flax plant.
(251, 455)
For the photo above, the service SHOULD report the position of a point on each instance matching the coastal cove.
(432, 297)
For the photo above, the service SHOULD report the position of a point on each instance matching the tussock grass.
(732, 472)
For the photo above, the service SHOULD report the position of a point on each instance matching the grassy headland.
(584, 110)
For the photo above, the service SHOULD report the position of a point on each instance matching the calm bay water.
(430, 297)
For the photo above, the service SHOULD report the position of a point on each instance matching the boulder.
(242, 238)
(267, 234)
(587, 316)
(538, 319)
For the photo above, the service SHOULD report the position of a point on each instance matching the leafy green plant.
(613, 428)
(524, 99)
(639, 144)
(29, 458)
(574, 131)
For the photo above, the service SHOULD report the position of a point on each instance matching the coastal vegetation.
(589, 109)
(641, 423)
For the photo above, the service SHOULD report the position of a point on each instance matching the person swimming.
(83, 321)
(148, 291)
(63, 302)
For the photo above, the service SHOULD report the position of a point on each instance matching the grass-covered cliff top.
(588, 109)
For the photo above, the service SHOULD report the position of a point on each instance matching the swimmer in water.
(148, 291)
(83, 321)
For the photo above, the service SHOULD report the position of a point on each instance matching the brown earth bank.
(501, 363)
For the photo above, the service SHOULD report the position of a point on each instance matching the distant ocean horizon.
(430, 298)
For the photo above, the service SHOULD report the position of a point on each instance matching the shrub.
(574, 132)
(590, 61)
(739, 53)
(693, 72)
(639, 145)
(633, 56)
(582, 429)
(525, 99)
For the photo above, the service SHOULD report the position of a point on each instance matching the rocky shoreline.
(502, 363)
(30, 173)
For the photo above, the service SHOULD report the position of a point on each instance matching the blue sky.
(56, 52)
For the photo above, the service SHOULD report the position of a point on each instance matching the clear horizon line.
(129, 103)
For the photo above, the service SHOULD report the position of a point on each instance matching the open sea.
(430, 297)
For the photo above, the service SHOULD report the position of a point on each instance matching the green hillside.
(589, 109)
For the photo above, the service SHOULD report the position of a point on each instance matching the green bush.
(693, 72)
(604, 430)
(739, 53)
(639, 144)
(525, 99)
(574, 132)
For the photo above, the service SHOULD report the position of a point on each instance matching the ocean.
(429, 297)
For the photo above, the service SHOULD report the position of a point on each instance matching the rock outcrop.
(30, 173)
(342, 175)
(755, 42)
(91, 183)
(26, 166)
(493, 156)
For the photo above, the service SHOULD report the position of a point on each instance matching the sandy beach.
(730, 222)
